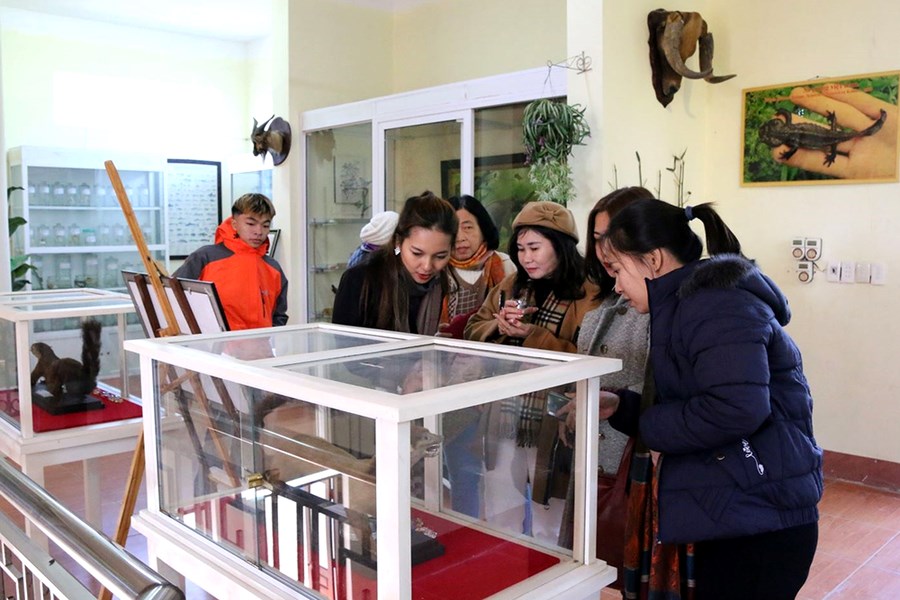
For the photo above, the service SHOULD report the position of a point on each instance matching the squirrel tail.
(90, 351)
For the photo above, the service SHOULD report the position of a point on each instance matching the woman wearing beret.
(541, 305)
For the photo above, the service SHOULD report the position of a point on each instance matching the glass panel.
(59, 398)
(9, 382)
(284, 343)
(258, 182)
(501, 175)
(339, 196)
(414, 370)
(414, 157)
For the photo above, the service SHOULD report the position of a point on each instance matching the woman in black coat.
(740, 473)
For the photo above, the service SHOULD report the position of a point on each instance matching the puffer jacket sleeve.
(720, 370)
(279, 314)
(193, 265)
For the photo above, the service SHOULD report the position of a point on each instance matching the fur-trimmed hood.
(731, 271)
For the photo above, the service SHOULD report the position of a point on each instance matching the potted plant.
(550, 129)
(18, 265)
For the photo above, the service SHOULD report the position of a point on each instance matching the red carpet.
(44, 421)
(475, 565)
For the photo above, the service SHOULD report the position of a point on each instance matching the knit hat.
(547, 214)
(380, 229)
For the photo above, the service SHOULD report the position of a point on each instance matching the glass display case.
(325, 461)
(75, 233)
(52, 410)
(339, 203)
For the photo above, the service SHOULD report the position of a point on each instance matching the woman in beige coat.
(541, 305)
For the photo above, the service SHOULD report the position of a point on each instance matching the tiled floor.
(858, 554)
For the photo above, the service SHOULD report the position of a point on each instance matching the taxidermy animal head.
(674, 37)
(276, 140)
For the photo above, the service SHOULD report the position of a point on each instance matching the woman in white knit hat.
(374, 234)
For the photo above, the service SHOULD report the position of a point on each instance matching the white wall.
(82, 84)
(847, 333)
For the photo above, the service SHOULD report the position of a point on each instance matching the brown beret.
(547, 214)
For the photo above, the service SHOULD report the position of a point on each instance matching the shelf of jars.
(75, 233)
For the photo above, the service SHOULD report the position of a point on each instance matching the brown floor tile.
(869, 583)
(828, 571)
(852, 540)
(858, 503)
(888, 558)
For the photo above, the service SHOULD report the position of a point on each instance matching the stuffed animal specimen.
(674, 37)
(67, 375)
(276, 140)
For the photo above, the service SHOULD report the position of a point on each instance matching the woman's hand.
(510, 320)
(567, 424)
(609, 404)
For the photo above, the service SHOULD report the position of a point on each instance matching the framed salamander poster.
(837, 130)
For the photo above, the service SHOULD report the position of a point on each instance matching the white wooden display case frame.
(221, 572)
(36, 451)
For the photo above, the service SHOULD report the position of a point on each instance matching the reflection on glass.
(413, 157)
(339, 203)
(501, 175)
(415, 370)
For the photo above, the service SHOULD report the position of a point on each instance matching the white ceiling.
(234, 20)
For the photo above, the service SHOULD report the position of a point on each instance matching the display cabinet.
(76, 234)
(39, 428)
(331, 241)
(339, 203)
(321, 461)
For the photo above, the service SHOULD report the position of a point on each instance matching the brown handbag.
(612, 512)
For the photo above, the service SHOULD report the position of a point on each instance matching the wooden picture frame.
(774, 152)
(274, 236)
(197, 307)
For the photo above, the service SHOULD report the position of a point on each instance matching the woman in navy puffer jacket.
(740, 473)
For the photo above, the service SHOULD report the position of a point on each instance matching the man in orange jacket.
(251, 285)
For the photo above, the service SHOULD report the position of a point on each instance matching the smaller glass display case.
(53, 409)
(341, 462)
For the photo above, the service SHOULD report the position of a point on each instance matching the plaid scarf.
(527, 411)
(652, 570)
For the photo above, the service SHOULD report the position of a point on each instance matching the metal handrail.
(114, 567)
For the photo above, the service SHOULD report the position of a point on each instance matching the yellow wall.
(456, 40)
(339, 52)
(847, 334)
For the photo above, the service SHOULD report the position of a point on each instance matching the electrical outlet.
(813, 248)
(833, 272)
(863, 272)
(805, 271)
(798, 249)
(848, 271)
(879, 274)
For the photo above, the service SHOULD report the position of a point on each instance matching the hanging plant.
(550, 129)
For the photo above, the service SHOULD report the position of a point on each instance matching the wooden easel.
(155, 273)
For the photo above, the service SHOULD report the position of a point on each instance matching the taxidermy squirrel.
(67, 375)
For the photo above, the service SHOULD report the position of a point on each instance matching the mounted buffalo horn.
(276, 140)
(674, 37)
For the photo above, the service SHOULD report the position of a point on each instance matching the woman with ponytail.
(738, 471)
